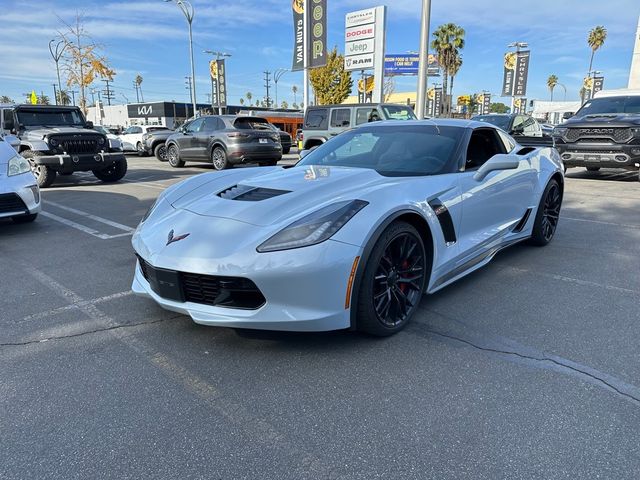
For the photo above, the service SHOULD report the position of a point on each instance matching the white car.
(19, 192)
(132, 137)
(351, 236)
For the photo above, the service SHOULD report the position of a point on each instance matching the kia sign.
(361, 17)
(359, 62)
(360, 33)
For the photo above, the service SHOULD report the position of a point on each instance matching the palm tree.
(43, 99)
(552, 81)
(294, 89)
(63, 97)
(138, 82)
(456, 63)
(447, 43)
(249, 96)
(596, 39)
(242, 101)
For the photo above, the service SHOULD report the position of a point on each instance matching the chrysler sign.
(361, 17)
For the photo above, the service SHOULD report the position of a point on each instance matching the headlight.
(635, 132)
(101, 141)
(559, 131)
(17, 165)
(53, 142)
(314, 228)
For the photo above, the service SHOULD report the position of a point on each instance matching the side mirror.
(567, 115)
(89, 125)
(304, 153)
(497, 162)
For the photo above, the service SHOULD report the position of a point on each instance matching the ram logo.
(145, 110)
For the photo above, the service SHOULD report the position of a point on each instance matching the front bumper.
(606, 155)
(80, 162)
(26, 189)
(305, 289)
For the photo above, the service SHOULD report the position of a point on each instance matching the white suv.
(132, 140)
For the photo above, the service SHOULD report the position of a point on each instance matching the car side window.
(317, 118)
(194, 126)
(220, 125)
(341, 117)
(363, 115)
(210, 124)
(518, 124)
(136, 129)
(530, 126)
(483, 144)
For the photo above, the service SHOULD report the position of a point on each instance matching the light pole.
(56, 53)
(187, 9)
(276, 78)
(517, 46)
(219, 55)
(565, 91)
(424, 59)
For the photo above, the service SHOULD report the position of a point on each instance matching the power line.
(267, 84)
(107, 92)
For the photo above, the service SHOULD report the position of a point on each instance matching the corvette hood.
(275, 196)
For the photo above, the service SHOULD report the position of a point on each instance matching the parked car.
(19, 192)
(57, 139)
(605, 132)
(105, 131)
(354, 234)
(132, 140)
(224, 140)
(154, 143)
(524, 128)
(285, 139)
(325, 121)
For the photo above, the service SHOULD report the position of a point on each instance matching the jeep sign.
(359, 47)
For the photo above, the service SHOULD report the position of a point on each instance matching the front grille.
(230, 292)
(618, 135)
(246, 193)
(79, 144)
(11, 202)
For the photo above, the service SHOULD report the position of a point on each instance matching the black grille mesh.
(620, 135)
(11, 202)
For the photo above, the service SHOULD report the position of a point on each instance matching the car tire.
(25, 218)
(219, 158)
(45, 176)
(593, 169)
(160, 152)
(140, 150)
(548, 214)
(286, 150)
(397, 271)
(173, 156)
(116, 171)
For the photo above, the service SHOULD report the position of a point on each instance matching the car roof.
(440, 122)
(47, 107)
(348, 105)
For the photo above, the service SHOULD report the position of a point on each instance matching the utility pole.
(188, 86)
(107, 92)
(135, 85)
(73, 97)
(93, 96)
(267, 81)
(424, 59)
(187, 9)
(56, 53)
(55, 93)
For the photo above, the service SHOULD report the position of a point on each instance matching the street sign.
(359, 62)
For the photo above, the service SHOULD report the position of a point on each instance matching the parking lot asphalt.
(528, 368)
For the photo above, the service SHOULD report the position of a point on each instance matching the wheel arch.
(411, 217)
(217, 143)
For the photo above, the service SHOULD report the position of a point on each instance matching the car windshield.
(251, 124)
(101, 129)
(500, 121)
(604, 105)
(391, 150)
(49, 117)
(397, 112)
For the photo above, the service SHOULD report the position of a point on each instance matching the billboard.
(218, 72)
(297, 7)
(516, 72)
(409, 64)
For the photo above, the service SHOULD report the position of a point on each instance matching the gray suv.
(322, 122)
(224, 141)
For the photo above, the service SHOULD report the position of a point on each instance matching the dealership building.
(167, 114)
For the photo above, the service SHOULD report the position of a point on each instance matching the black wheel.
(25, 218)
(173, 157)
(219, 158)
(160, 152)
(44, 175)
(140, 150)
(116, 171)
(548, 214)
(286, 150)
(593, 169)
(393, 281)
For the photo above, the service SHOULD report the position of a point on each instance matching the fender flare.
(366, 253)
(37, 145)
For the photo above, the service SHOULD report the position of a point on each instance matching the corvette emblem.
(171, 239)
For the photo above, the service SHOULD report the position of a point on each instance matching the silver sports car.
(353, 235)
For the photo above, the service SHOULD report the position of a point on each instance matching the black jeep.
(58, 140)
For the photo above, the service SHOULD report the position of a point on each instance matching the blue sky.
(149, 37)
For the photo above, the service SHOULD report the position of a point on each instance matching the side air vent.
(523, 221)
(446, 222)
(246, 193)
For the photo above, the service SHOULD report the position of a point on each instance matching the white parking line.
(117, 225)
(84, 228)
(75, 306)
(626, 225)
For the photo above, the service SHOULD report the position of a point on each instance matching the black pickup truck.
(605, 132)
(58, 140)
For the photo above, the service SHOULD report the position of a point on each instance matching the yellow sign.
(369, 85)
(298, 6)
(464, 100)
(213, 68)
(33, 98)
(510, 61)
(431, 93)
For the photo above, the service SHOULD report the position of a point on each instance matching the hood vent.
(246, 193)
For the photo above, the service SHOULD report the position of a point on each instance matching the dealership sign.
(316, 30)
(359, 62)
(361, 17)
(516, 72)
(409, 64)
